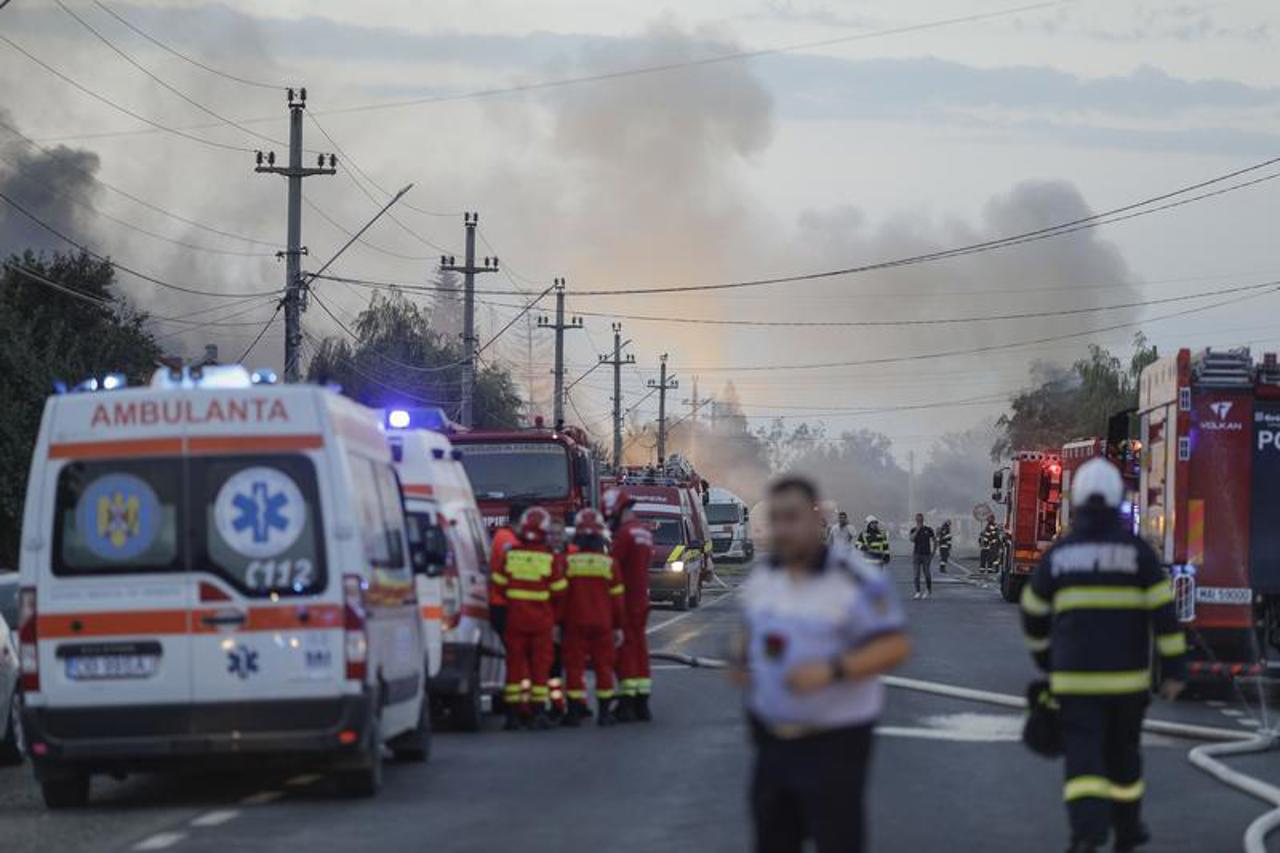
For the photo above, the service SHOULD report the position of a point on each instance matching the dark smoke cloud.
(44, 184)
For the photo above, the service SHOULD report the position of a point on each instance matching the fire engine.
(1120, 449)
(1209, 501)
(553, 468)
(1030, 488)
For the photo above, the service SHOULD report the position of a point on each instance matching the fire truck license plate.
(1224, 595)
(100, 667)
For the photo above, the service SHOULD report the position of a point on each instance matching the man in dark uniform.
(989, 544)
(1089, 612)
(944, 545)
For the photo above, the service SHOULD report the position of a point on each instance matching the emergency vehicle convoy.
(554, 469)
(1209, 502)
(216, 569)
(671, 500)
(464, 651)
(1030, 488)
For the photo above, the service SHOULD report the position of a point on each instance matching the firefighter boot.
(514, 721)
(575, 714)
(642, 708)
(1131, 840)
(606, 714)
(540, 721)
(625, 712)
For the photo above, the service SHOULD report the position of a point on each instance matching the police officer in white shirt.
(819, 625)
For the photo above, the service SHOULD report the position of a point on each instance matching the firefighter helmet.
(535, 525)
(616, 501)
(1097, 478)
(871, 519)
(588, 522)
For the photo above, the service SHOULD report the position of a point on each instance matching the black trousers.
(810, 788)
(1101, 738)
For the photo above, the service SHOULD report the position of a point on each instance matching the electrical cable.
(513, 320)
(265, 326)
(119, 266)
(400, 364)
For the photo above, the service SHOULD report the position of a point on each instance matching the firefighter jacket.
(875, 544)
(503, 541)
(633, 552)
(990, 537)
(532, 585)
(595, 595)
(1091, 607)
(944, 536)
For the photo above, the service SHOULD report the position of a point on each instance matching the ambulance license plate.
(103, 667)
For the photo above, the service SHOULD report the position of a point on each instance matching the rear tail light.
(356, 639)
(28, 654)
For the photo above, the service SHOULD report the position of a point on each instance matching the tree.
(53, 336)
(1075, 403)
(956, 475)
(400, 360)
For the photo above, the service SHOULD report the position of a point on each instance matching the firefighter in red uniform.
(532, 586)
(504, 539)
(633, 551)
(593, 618)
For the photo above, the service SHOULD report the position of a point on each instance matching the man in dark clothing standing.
(923, 542)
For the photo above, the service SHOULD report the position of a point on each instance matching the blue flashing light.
(398, 419)
(264, 377)
(423, 417)
(113, 381)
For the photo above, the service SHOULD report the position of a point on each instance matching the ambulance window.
(262, 530)
(118, 516)
(392, 502)
(381, 517)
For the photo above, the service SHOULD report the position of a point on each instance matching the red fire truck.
(1118, 447)
(1030, 488)
(1210, 503)
(555, 469)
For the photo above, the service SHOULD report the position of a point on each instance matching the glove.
(617, 637)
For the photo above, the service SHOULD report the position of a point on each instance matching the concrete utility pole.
(617, 361)
(294, 287)
(468, 269)
(559, 326)
(664, 384)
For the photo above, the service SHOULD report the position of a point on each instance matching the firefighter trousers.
(529, 657)
(633, 660)
(1101, 739)
(579, 645)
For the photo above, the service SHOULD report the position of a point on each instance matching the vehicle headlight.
(676, 565)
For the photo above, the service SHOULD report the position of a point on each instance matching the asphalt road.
(948, 774)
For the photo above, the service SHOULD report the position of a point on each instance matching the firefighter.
(874, 542)
(1089, 613)
(633, 552)
(532, 586)
(504, 539)
(989, 544)
(593, 619)
(944, 545)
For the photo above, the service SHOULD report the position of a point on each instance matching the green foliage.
(53, 336)
(402, 360)
(1075, 403)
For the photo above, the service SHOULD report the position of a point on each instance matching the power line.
(342, 229)
(265, 326)
(179, 54)
(119, 266)
(355, 337)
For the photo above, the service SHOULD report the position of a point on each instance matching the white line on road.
(945, 734)
(215, 818)
(682, 616)
(303, 779)
(160, 841)
(1232, 712)
(261, 798)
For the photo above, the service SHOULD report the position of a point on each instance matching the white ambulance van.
(216, 570)
(441, 504)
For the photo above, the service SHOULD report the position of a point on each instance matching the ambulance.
(468, 669)
(215, 570)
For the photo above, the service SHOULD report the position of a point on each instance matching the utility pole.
(617, 361)
(664, 384)
(294, 287)
(468, 269)
(559, 326)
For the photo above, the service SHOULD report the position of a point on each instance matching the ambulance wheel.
(70, 791)
(466, 712)
(415, 746)
(364, 780)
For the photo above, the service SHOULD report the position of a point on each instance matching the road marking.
(160, 840)
(1216, 703)
(1250, 724)
(682, 616)
(303, 779)
(955, 735)
(261, 798)
(216, 818)
(1232, 712)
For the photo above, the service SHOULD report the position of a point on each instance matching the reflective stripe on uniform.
(1128, 793)
(558, 586)
(1159, 594)
(528, 595)
(604, 694)
(576, 694)
(1079, 787)
(1100, 598)
(1034, 604)
(1036, 644)
(617, 590)
(499, 578)
(540, 691)
(643, 686)
(1172, 645)
(529, 565)
(589, 565)
(675, 553)
(1100, 683)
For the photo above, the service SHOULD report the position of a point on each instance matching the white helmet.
(871, 519)
(1097, 478)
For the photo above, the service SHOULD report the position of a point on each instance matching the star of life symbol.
(259, 512)
(242, 661)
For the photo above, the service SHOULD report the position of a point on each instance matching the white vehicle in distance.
(730, 522)
(441, 504)
(11, 743)
(215, 572)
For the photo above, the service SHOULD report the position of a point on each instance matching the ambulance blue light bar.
(421, 417)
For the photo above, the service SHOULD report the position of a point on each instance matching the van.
(680, 560)
(729, 519)
(216, 570)
(471, 668)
